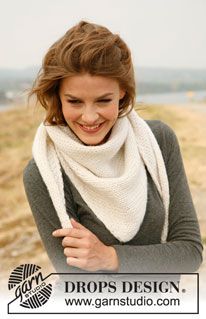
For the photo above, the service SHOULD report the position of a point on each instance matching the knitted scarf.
(110, 177)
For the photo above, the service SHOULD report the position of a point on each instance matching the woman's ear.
(122, 94)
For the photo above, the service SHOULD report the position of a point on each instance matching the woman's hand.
(84, 250)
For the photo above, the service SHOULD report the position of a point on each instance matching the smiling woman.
(112, 185)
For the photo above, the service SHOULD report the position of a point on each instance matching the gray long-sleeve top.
(144, 253)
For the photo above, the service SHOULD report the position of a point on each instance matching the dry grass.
(19, 238)
(190, 128)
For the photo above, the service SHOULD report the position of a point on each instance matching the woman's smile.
(91, 129)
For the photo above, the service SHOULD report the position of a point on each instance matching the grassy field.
(19, 238)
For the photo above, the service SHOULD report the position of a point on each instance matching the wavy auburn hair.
(85, 48)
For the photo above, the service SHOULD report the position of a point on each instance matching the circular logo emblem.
(30, 286)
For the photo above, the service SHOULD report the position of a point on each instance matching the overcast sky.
(160, 33)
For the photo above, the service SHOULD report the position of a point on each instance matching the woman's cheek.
(112, 112)
(71, 115)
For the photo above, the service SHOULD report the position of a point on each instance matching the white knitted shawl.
(110, 177)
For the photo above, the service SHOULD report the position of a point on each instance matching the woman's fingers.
(73, 232)
(77, 262)
(71, 242)
(75, 252)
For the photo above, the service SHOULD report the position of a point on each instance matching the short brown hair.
(85, 48)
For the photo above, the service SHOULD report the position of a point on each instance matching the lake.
(173, 97)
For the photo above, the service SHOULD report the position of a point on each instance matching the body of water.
(173, 97)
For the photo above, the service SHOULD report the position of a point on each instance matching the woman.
(111, 185)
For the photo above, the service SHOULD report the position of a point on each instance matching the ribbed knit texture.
(111, 177)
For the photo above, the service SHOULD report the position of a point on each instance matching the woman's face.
(90, 106)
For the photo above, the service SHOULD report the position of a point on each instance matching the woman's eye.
(105, 100)
(73, 101)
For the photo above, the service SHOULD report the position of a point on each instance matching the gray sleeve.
(45, 217)
(183, 250)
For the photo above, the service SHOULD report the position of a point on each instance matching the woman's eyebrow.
(100, 97)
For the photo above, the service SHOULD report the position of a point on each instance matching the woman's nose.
(89, 116)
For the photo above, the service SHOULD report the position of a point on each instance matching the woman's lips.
(91, 129)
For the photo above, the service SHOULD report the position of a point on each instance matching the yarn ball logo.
(29, 285)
